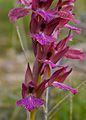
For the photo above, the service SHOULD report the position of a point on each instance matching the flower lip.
(42, 38)
(30, 103)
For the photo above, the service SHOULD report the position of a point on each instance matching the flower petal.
(75, 29)
(64, 87)
(68, 7)
(61, 78)
(59, 4)
(25, 2)
(60, 45)
(50, 63)
(24, 90)
(48, 16)
(55, 23)
(41, 87)
(43, 39)
(75, 54)
(28, 75)
(59, 55)
(55, 75)
(45, 3)
(17, 13)
(30, 103)
(67, 15)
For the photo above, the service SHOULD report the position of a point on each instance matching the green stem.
(47, 102)
(28, 115)
(31, 115)
(20, 39)
(71, 107)
(47, 73)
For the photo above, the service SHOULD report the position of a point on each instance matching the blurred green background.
(13, 64)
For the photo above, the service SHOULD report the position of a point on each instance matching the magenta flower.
(45, 27)
(32, 93)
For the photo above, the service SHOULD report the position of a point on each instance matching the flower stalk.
(47, 104)
(31, 115)
(20, 39)
(28, 115)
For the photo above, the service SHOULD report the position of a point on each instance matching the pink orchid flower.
(45, 27)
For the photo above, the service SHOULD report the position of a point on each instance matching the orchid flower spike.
(45, 27)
